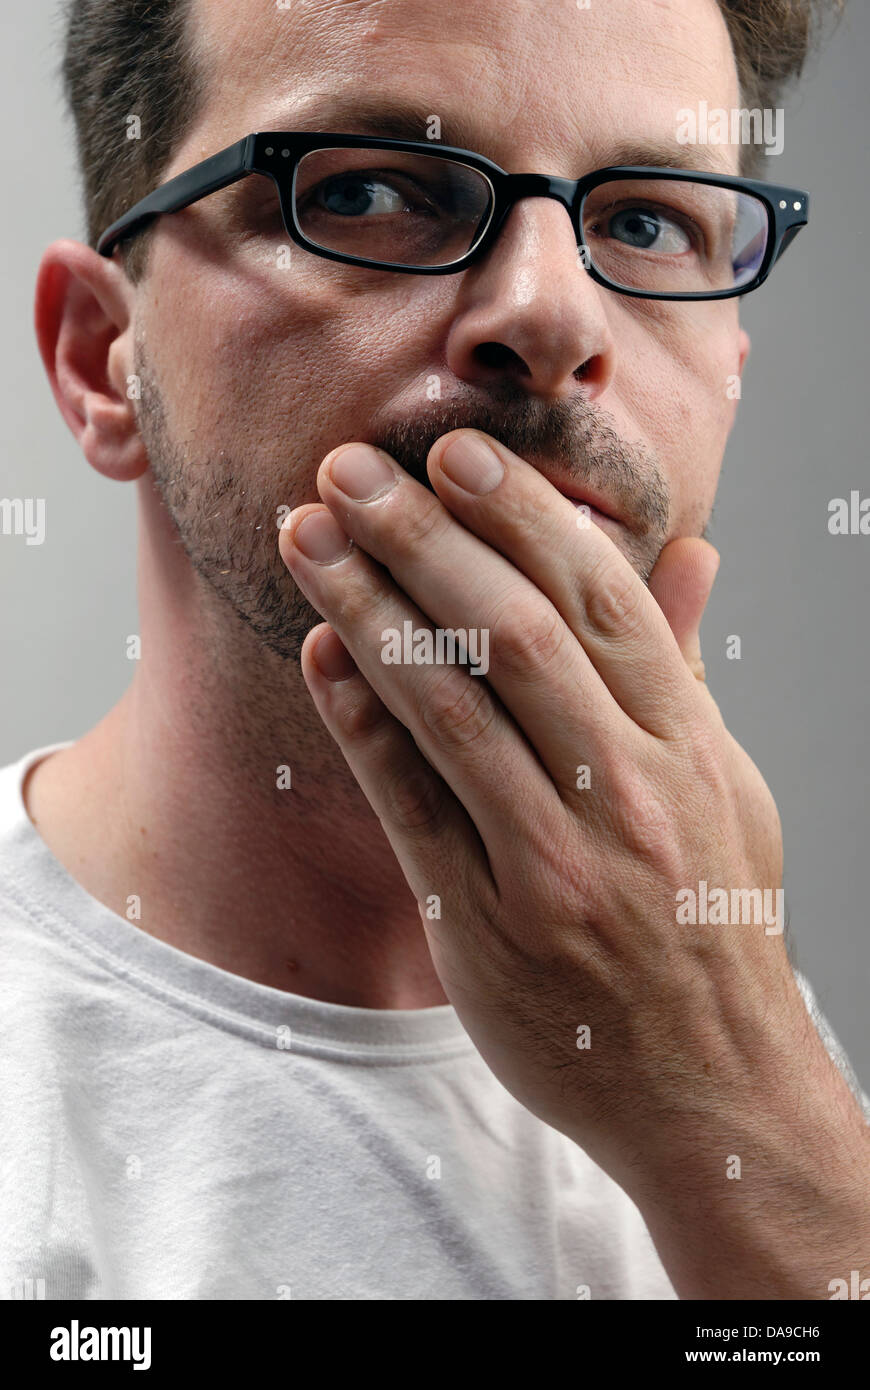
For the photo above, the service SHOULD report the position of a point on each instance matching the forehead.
(514, 80)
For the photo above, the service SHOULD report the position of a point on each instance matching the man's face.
(254, 365)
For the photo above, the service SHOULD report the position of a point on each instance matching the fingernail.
(332, 658)
(472, 464)
(361, 472)
(320, 537)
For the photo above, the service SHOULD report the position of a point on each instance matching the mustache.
(579, 437)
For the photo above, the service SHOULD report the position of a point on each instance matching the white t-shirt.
(169, 1130)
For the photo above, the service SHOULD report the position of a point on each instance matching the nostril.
(496, 355)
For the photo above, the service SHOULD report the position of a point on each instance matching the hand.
(558, 903)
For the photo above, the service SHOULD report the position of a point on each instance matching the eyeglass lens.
(654, 234)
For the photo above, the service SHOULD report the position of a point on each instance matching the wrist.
(759, 1189)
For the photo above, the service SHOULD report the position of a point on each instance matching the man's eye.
(648, 230)
(351, 196)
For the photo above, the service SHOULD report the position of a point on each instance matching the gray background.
(795, 594)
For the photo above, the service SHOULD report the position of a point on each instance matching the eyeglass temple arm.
(788, 237)
(220, 169)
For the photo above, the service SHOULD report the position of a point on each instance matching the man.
(366, 976)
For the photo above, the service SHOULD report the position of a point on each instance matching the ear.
(84, 328)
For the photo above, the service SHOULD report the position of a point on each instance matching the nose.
(529, 311)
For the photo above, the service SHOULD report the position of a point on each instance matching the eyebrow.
(700, 159)
(394, 120)
(349, 114)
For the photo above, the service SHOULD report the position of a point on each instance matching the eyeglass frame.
(274, 153)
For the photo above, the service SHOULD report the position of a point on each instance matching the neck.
(176, 797)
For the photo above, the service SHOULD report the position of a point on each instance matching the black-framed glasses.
(420, 209)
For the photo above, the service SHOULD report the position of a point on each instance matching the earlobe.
(108, 441)
(82, 312)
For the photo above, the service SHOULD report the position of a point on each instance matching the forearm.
(767, 1195)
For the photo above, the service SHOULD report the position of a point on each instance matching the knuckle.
(458, 711)
(527, 638)
(642, 813)
(417, 525)
(708, 767)
(361, 602)
(355, 598)
(698, 669)
(649, 822)
(362, 717)
(413, 800)
(614, 600)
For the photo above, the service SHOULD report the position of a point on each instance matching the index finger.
(585, 575)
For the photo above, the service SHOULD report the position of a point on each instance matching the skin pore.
(251, 373)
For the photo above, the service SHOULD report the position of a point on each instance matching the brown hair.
(126, 58)
(771, 40)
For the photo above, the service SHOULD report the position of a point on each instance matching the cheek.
(284, 362)
(679, 374)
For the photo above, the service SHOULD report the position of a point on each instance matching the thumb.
(681, 583)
